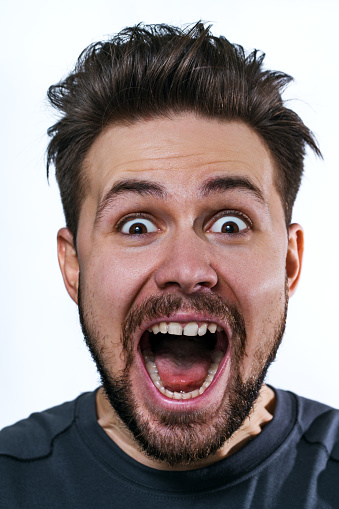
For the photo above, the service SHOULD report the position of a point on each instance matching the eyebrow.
(144, 187)
(221, 184)
(129, 186)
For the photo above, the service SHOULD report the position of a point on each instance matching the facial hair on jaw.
(181, 439)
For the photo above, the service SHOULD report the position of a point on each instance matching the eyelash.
(131, 217)
(229, 213)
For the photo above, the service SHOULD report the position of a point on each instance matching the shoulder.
(319, 425)
(33, 437)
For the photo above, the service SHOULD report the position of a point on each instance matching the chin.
(182, 396)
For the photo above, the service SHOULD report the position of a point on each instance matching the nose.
(186, 266)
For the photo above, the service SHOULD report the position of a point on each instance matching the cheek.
(257, 282)
(114, 279)
(254, 274)
(261, 296)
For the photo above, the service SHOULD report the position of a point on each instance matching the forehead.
(178, 152)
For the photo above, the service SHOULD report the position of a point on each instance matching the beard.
(182, 439)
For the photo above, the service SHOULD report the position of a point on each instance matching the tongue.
(182, 364)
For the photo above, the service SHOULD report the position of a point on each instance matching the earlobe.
(68, 262)
(294, 256)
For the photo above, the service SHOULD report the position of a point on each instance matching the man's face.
(182, 230)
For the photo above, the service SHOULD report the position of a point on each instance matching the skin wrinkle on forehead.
(217, 184)
(149, 155)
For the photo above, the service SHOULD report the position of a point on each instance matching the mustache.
(159, 306)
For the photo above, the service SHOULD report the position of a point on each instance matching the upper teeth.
(190, 329)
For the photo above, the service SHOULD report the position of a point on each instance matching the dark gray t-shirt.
(61, 458)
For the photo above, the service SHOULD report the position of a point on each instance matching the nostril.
(187, 286)
(202, 286)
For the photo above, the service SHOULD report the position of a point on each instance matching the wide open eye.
(228, 224)
(138, 226)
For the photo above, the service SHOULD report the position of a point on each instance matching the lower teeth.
(154, 375)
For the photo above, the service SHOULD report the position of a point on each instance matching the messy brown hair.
(149, 71)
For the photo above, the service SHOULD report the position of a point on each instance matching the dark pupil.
(230, 227)
(137, 229)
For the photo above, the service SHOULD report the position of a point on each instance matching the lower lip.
(211, 396)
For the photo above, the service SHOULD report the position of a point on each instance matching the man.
(178, 166)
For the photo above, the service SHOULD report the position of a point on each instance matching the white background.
(42, 358)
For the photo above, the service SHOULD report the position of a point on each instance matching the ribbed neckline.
(231, 470)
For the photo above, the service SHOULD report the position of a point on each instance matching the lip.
(211, 396)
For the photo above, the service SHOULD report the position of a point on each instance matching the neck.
(261, 413)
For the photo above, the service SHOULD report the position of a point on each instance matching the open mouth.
(182, 360)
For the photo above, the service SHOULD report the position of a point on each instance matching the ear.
(68, 262)
(294, 256)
